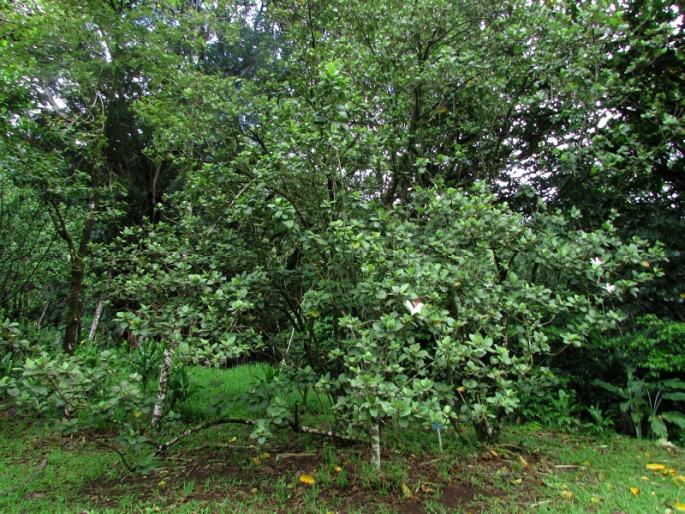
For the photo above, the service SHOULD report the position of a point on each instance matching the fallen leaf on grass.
(517, 481)
(595, 499)
(406, 492)
(646, 479)
(337, 469)
(656, 467)
(566, 495)
(680, 507)
(523, 461)
(634, 491)
(427, 489)
(307, 479)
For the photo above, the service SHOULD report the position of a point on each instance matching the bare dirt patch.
(247, 473)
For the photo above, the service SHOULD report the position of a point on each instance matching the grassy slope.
(221, 470)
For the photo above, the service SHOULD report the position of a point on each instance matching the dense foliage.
(420, 212)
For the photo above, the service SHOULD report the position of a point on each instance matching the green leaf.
(658, 427)
(677, 418)
(674, 383)
(617, 391)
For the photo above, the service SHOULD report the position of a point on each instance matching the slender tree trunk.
(376, 445)
(163, 388)
(96, 320)
(74, 307)
(77, 255)
(78, 272)
(153, 193)
(42, 315)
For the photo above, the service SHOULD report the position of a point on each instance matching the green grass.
(608, 470)
(219, 391)
(41, 472)
(222, 470)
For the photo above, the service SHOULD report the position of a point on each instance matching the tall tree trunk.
(96, 319)
(78, 272)
(163, 388)
(376, 445)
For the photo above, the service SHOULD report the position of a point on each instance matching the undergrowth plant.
(94, 388)
(641, 402)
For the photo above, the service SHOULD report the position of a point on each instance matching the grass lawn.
(221, 470)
